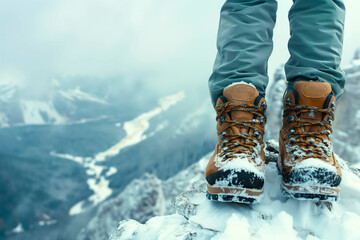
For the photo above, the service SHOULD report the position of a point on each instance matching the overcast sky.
(170, 42)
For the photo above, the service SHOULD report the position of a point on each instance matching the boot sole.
(316, 193)
(234, 194)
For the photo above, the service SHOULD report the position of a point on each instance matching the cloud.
(128, 38)
(166, 43)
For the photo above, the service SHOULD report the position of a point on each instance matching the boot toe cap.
(232, 178)
(314, 173)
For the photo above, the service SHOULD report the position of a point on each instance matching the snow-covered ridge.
(136, 128)
(40, 112)
(276, 217)
(98, 174)
(142, 199)
(77, 94)
(15, 110)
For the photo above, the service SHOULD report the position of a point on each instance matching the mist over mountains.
(66, 158)
(63, 154)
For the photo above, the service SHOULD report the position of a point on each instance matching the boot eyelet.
(288, 101)
(222, 135)
(289, 119)
(330, 120)
(263, 105)
(290, 133)
(221, 119)
(261, 122)
(332, 105)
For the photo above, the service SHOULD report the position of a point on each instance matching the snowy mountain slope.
(275, 218)
(40, 112)
(97, 173)
(87, 162)
(142, 199)
(161, 144)
(59, 106)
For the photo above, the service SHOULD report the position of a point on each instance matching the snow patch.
(35, 111)
(18, 229)
(240, 83)
(237, 227)
(136, 128)
(240, 163)
(77, 94)
(46, 223)
(316, 164)
(111, 171)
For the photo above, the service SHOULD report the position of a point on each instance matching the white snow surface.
(34, 112)
(18, 229)
(239, 83)
(314, 163)
(142, 199)
(276, 217)
(240, 163)
(136, 128)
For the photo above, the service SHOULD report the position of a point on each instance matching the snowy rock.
(141, 200)
(276, 217)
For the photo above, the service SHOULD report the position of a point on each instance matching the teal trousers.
(244, 44)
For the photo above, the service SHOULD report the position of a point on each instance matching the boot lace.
(309, 144)
(243, 143)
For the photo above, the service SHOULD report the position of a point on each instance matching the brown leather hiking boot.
(235, 172)
(307, 162)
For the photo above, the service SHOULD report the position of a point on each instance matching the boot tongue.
(312, 94)
(240, 94)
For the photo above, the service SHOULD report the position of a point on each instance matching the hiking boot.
(307, 162)
(235, 172)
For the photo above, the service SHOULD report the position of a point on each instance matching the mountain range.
(89, 154)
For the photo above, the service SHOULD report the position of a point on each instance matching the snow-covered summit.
(78, 94)
(59, 106)
(275, 218)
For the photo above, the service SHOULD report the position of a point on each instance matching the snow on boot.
(235, 172)
(307, 162)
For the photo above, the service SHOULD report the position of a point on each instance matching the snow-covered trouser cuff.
(315, 45)
(244, 44)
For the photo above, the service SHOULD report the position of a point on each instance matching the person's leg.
(307, 162)
(244, 45)
(236, 170)
(315, 45)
